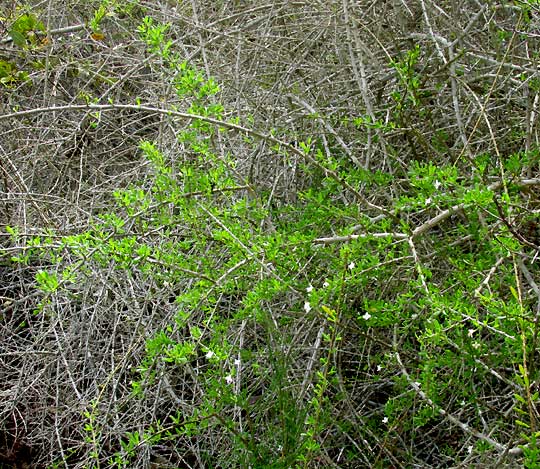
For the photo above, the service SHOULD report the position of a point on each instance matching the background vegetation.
(269, 234)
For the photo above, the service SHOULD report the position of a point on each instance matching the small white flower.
(428, 201)
(379, 367)
(229, 379)
(437, 184)
(325, 284)
(476, 345)
(309, 289)
(307, 307)
(462, 403)
(366, 316)
(351, 266)
(470, 449)
(385, 420)
(237, 362)
(470, 332)
(209, 354)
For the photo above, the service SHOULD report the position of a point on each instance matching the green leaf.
(18, 38)
(516, 296)
(47, 282)
(522, 424)
(13, 231)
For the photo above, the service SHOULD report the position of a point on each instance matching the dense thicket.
(269, 234)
